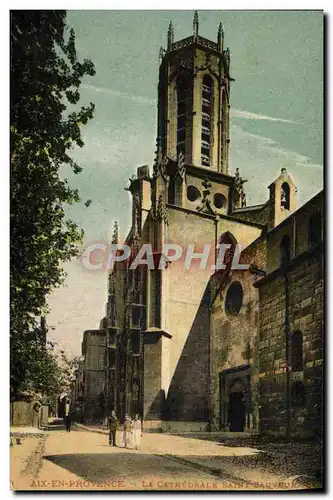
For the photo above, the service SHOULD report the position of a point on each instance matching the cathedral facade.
(190, 347)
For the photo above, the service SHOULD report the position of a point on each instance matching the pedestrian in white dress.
(137, 432)
(128, 427)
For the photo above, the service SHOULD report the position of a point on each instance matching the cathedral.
(197, 349)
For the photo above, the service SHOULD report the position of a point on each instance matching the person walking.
(128, 425)
(67, 416)
(113, 422)
(137, 432)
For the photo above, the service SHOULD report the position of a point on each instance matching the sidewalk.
(25, 458)
(26, 431)
(236, 463)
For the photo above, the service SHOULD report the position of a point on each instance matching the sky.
(276, 121)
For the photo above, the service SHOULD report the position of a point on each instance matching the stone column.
(153, 392)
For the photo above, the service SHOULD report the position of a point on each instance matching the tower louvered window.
(184, 89)
(206, 120)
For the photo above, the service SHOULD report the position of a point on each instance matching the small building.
(92, 375)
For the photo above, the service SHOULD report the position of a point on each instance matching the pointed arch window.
(206, 120)
(228, 239)
(285, 251)
(184, 92)
(171, 190)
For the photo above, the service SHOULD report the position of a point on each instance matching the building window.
(220, 201)
(285, 251)
(206, 119)
(171, 191)
(135, 340)
(137, 278)
(112, 337)
(234, 298)
(175, 191)
(285, 196)
(298, 397)
(297, 352)
(228, 239)
(111, 358)
(184, 91)
(315, 233)
(130, 276)
(136, 316)
(193, 193)
(158, 292)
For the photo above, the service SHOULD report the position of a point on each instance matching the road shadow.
(135, 466)
(286, 458)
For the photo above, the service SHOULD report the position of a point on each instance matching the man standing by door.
(112, 428)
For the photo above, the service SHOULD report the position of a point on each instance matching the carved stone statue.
(162, 53)
(181, 169)
(162, 213)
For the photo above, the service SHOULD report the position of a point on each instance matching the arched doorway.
(237, 405)
(235, 399)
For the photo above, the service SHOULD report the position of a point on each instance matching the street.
(83, 460)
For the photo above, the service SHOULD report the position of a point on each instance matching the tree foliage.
(45, 79)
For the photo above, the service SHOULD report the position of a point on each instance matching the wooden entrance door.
(235, 396)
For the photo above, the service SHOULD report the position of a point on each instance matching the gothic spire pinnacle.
(171, 35)
(115, 234)
(195, 24)
(220, 38)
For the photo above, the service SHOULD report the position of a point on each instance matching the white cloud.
(247, 115)
(134, 98)
(260, 160)
(235, 113)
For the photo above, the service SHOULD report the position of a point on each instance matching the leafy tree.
(44, 374)
(69, 367)
(45, 79)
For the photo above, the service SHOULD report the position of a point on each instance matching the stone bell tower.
(193, 99)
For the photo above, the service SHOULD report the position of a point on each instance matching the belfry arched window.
(228, 239)
(285, 251)
(206, 119)
(315, 231)
(184, 89)
(297, 352)
(285, 196)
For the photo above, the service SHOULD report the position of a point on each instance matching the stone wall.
(244, 233)
(304, 291)
(187, 321)
(291, 306)
(93, 366)
(25, 411)
(234, 342)
(93, 349)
